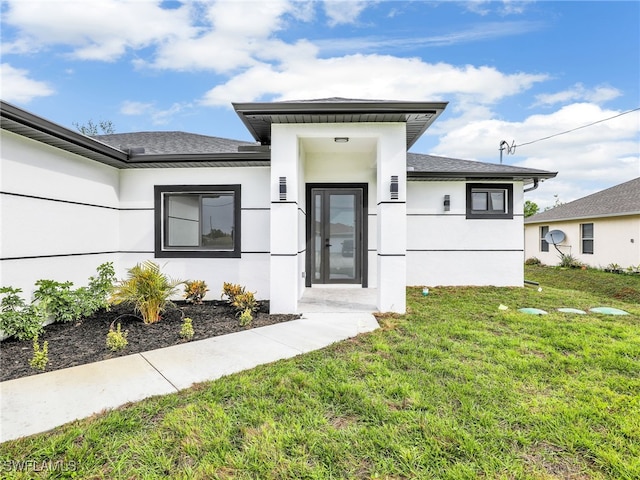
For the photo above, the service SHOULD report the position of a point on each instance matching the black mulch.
(72, 344)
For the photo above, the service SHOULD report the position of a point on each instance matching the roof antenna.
(510, 149)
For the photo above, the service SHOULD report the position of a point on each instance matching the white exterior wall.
(307, 154)
(615, 240)
(58, 213)
(446, 248)
(137, 226)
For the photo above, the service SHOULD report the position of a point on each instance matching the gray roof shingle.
(421, 165)
(171, 143)
(622, 199)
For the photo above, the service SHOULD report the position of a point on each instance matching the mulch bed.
(72, 344)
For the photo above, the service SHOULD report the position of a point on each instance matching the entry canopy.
(258, 117)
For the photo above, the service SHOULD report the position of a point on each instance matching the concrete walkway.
(41, 402)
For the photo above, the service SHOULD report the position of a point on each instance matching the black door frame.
(364, 228)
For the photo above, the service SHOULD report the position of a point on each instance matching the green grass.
(454, 389)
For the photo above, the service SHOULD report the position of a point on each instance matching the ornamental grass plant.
(147, 289)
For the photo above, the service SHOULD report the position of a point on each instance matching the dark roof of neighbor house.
(181, 149)
(622, 199)
(258, 117)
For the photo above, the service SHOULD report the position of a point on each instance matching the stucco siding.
(59, 214)
(446, 248)
(615, 240)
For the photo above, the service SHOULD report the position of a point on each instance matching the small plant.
(117, 339)
(243, 302)
(245, 318)
(569, 261)
(147, 289)
(532, 261)
(40, 357)
(231, 291)
(186, 331)
(59, 300)
(194, 291)
(613, 268)
(17, 318)
(101, 286)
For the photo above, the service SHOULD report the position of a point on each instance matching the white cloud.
(340, 11)
(607, 151)
(157, 116)
(16, 86)
(388, 77)
(103, 30)
(577, 93)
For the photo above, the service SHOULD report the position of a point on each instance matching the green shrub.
(117, 339)
(194, 291)
(186, 331)
(17, 319)
(532, 261)
(59, 300)
(40, 357)
(245, 301)
(67, 305)
(147, 289)
(569, 261)
(245, 318)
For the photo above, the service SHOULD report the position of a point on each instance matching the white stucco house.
(598, 230)
(326, 195)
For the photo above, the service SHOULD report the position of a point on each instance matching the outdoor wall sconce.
(283, 189)
(341, 139)
(447, 203)
(393, 188)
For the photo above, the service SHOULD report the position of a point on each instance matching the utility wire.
(573, 129)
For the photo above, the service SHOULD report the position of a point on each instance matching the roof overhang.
(527, 178)
(21, 122)
(258, 117)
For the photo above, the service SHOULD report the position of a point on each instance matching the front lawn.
(457, 388)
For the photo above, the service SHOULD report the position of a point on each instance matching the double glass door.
(336, 235)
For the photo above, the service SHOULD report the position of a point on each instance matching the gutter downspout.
(535, 185)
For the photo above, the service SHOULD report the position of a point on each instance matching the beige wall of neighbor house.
(446, 248)
(59, 214)
(616, 239)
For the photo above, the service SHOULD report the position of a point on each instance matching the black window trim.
(475, 214)
(161, 190)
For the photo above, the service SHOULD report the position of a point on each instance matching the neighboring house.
(327, 195)
(599, 229)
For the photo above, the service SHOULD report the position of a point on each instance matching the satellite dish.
(554, 237)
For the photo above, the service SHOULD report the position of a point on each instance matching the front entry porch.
(338, 299)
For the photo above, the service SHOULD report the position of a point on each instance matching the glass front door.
(336, 235)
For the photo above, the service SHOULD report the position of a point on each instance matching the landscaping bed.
(76, 343)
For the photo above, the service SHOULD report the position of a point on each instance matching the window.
(197, 221)
(586, 233)
(488, 200)
(544, 245)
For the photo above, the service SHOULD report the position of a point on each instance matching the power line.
(578, 128)
(511, 149)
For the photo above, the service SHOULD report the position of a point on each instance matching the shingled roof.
(171, 143)
(623, 199)
(432, 167)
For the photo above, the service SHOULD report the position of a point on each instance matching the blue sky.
(513, 71)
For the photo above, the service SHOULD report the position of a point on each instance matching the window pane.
(479, 201)
(587, 230)
(217, 221)
(544, 246)
(183, 221)
(587, 246)
(497, 201)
